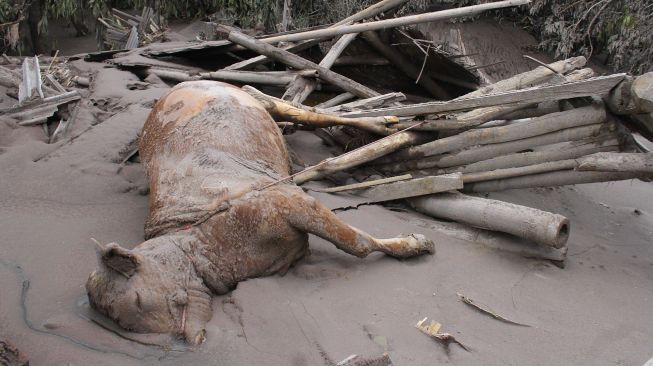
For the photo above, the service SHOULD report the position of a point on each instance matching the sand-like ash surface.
(55, 197)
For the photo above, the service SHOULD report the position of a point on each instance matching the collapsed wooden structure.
(557, 124)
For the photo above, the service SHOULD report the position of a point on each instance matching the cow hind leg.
(308, 215)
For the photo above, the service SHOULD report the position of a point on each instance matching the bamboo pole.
(544, 228)
(493, 150)
(300, 63)
(537, 126)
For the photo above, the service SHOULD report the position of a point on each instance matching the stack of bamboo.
(557, 124)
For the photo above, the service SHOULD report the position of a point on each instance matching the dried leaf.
(433, 331)
(488, 311)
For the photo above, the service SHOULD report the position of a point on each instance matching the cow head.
(151, 289)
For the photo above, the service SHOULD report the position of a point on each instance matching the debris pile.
(410, 117)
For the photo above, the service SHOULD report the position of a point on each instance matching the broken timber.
(413, 188)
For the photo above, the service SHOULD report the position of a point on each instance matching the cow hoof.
(422, 244)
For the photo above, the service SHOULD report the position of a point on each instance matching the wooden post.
(542, 227)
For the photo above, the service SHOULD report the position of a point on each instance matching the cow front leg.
(308, 215)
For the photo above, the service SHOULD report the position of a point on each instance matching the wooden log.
(362, 185)
(549, 166)
(537, 126)
(301, 87)
(497, 240)
(406, 66)
(241, 77)
(617, 162)
(552, 179)
(338, 99)
(632, 96)
(368, 12)
(282, 110)
(413, 188)
(596, 86)
(367, 103)
(570, 150)
(545, 228)
(530, 78)
(82, 80)
(360, 156)
(300, 63)
(490, 151)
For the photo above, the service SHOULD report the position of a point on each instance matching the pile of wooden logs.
(557, 124)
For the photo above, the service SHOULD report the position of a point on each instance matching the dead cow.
(208, 149)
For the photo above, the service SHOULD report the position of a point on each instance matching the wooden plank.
(413, 188)
(596, 86)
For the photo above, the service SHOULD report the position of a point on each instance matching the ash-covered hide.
(204, 144)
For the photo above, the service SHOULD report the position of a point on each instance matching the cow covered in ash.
(210, 150)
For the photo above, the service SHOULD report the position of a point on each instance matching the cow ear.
(121, 260)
